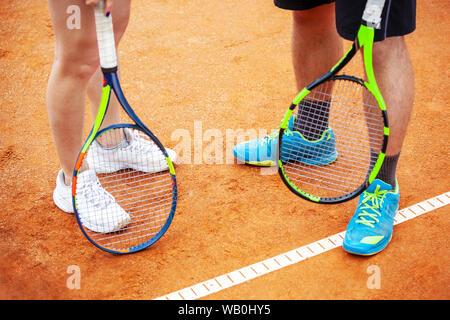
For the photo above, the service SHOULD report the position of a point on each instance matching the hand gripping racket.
(124, 188)
(333, 148)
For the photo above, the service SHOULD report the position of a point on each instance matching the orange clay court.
(225, 65)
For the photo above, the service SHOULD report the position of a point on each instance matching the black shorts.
(401, 16)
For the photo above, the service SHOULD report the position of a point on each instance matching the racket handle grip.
(105, 38)
(372, 13)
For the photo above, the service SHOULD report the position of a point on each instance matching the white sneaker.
(136, 152)
(62, 195)
(97, 208)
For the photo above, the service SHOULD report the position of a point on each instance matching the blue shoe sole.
(319, 161)
(376, 249)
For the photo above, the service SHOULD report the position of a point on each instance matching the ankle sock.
(312, 118)
(388, 170)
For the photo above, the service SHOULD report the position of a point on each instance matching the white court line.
(283, 260)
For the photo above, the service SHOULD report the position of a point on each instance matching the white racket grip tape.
(105, 37)
(372, 13)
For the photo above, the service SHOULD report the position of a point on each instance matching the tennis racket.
(124, 189)
(333, 147)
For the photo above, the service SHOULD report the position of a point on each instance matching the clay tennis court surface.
(225, 65)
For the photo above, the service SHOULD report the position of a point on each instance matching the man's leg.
(395, 77)
(316, 47)
(370, 229)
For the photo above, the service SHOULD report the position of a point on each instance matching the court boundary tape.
(291, 257)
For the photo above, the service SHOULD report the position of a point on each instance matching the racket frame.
(364, 40)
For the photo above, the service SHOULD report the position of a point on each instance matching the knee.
(389, 48)
(318, 18)
(80, 61)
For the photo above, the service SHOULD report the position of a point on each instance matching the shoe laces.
(94, 193)
(274, 135)
(140, 145)
(370, 207)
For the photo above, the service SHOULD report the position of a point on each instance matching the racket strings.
(340, 158)
(131, 170)
(312, 118)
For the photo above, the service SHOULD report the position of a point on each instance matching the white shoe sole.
(62, 203)
(101, 229)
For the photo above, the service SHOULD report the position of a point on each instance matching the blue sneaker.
(370, 229)
(263, 151)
